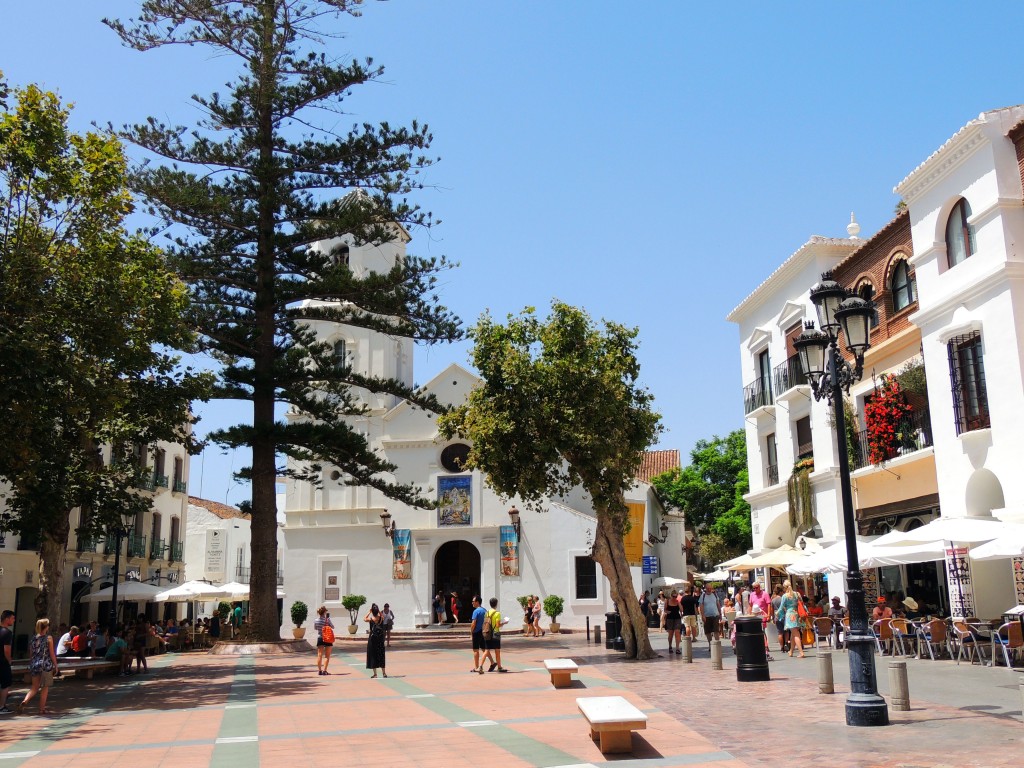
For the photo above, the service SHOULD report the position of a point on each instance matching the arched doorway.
(457, 569)
(78, 609)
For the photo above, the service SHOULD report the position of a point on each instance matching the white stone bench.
(561, 671)
(612, 720)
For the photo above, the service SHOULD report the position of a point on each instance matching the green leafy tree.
(560, 407)
(710, 491)
(259, 197)
(86, 312)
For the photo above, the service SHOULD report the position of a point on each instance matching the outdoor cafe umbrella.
(668, 581)
(779, 557)
(235, 590)
(1010, 544)
(719, 575)
(127, 591)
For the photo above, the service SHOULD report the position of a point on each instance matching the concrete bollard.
(597, 634)
(826, 683)
(899, 687)
(688, 650)
(716, 654)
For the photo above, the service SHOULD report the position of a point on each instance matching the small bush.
(299, 613)
(353, 603)
(554, 606)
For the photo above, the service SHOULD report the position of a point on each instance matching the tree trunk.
(610, 552)
(53, 548)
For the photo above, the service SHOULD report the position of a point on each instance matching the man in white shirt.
(64, 644)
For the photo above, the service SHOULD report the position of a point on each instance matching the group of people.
(485, 631)
(679, 613)
(531, 617)
(381, 623)
(454, 604)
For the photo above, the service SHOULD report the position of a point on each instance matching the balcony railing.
(788, 375)
(87, 543)
(145, 480)
(180, 486)
(156, 549)
(136, 545)
(176, 551)
(757, 395)
(160, 481)
(772, 474)
(243, 573)
(914, 434)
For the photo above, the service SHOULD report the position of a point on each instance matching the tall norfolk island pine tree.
(560, 407)
(252, 187)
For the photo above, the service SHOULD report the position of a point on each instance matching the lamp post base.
(865, 709)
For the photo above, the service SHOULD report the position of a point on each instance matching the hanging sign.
(509, 544)
(215, 543)
(401, 565)
(133, 574)
(650, 564)
(83, 572)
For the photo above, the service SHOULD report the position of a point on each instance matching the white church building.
(342, 539)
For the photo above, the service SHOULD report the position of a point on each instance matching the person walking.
(42, 666)
(439, 607)
(476, 634)
(536, 617)
(780, 623)
(494, 641)
(673, 620)
(375, 654)
(790, 607)
(528, 617)
(645, 607)
(688, 604)
(324, 639)
(711, 613)
(389, 622)
(6, 655)
(661, 609)
(455, 605)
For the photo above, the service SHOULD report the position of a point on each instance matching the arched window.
(867, 292)
(959, 234)
(902, 286)
(340, 353)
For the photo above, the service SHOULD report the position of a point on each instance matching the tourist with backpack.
(493, 622)
(324, 639)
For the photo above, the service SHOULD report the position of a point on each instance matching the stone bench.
(612, 721)
(77, 667)
(561, 671)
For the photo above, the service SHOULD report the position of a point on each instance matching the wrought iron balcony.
(156, 549)
(180, 486)
(772, 474)
(914, 434)
(788, 375)
(176, 550)
(145, 481)
(757, 395)
(160, 481)
(136, 545)
(87, 543)
(243, 573)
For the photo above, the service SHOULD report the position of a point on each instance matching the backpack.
(489, 625)
(327, 633)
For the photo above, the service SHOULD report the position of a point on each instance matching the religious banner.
(634, 538)
(401, 565)
(509, 544)
(1017, 563)
(961, 588)
(454, 500)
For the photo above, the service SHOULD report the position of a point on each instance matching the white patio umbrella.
(779, 557)
(190, 591)
(235, 590)
(964, 530)
(130, 591)
(665, 581)
(1010, 544)
(876, 556)
(831, 559)
(719, 575)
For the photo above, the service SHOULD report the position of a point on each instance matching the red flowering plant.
(887, 413)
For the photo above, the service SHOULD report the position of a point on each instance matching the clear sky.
(651, 162)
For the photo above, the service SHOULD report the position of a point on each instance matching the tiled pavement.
(198, 710)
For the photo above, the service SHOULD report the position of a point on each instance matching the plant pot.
(352, 629)
(299, 632)
(555, 627)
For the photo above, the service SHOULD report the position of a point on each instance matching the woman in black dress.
(375, 645)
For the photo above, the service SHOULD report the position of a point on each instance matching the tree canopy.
(262, 194)
(561, 406)
(88, 313)
(710, 491)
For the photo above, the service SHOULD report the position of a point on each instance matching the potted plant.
(299, 614)
(353, 603)
(553, 607)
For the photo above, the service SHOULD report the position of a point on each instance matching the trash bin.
(653, 620)
(612, 629)
(751, 657)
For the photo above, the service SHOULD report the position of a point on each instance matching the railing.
(788, 375)
(177, 549)
(109, 544)
(772, 474)
(914, 434)
(145, 481)
(160, 481)
(243, 573)
(156, 549)
(180, 486)
(28, 543)
(87, 543)
(757, 395)
(136, 545)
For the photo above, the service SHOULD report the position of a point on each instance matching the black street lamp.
(830, 374)
(120, 531)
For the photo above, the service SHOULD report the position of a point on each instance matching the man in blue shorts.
(476, 629)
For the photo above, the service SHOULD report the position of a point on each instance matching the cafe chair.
(1010, 639)
(966, 642)
(823, 629)
(932, 635)
(845, 628)
(882, 631)
(904, 634)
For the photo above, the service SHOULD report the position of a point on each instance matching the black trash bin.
(612, 629)
(751, 656)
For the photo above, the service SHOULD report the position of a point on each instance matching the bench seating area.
(561, 671)
(612, 721)
(77, 667)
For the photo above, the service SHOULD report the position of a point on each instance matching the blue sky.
(651, 162)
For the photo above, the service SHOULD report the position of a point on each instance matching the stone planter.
(352, 629)
(555, 628)
(299, 632)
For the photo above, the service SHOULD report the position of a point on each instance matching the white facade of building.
(336, 544)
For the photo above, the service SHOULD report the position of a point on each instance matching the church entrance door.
(457, 569)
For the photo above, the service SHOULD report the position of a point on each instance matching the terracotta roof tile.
(223, 511)
(656, 462)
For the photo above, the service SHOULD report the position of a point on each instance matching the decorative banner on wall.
(509, 543)
(215, 554)
(1018, 578)
(961, 588)
(401, 566)
(634, 539)
(454, 498)
(870, 587)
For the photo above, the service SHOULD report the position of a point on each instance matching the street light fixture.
(663, 530)
(830, 375)
(513, 516)
(120, 530)
(389, 526)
